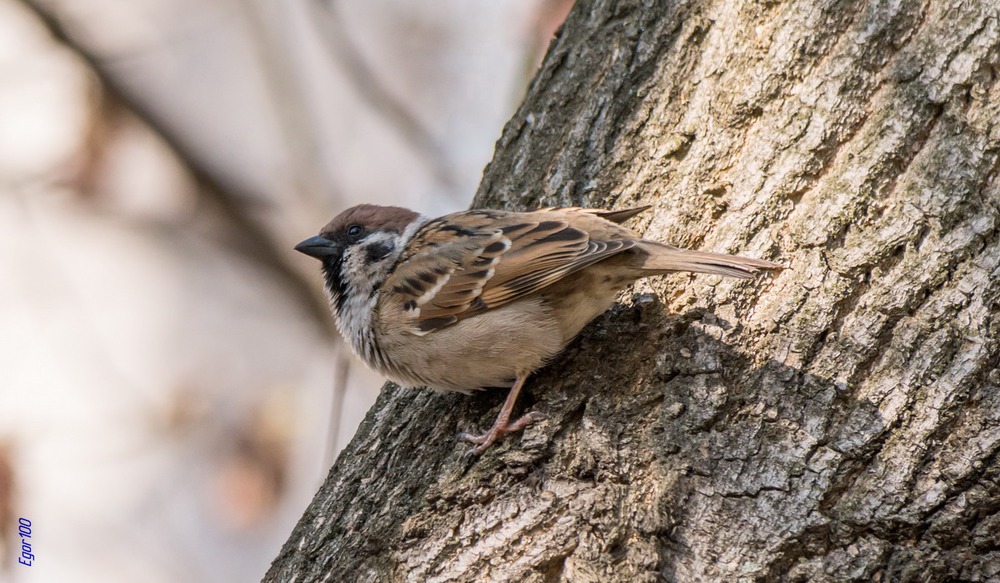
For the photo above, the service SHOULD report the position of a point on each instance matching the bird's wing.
(466, 263)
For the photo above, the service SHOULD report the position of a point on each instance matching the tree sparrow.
(483, 298)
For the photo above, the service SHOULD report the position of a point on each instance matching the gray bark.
(838, 421)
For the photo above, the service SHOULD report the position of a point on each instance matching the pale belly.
(488, 350)
(491, 349)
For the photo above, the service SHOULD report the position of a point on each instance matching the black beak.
(318, 247)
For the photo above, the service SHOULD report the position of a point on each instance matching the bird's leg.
(502, 426)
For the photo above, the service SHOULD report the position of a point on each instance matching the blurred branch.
(258, 240)
(305, 177)
(346, 53)
(291, 109)
(341, 375)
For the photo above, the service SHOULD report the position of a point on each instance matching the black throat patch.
(334, 281)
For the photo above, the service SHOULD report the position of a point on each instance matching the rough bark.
(839, 421)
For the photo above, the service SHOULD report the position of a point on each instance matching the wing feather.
(466, 263)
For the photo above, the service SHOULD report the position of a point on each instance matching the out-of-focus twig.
(346, 53)
(341, 374)
(258, 240)
(305, 177)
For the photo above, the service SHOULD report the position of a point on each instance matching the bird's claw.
(484, 441)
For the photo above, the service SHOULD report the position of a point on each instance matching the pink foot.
(499, 429)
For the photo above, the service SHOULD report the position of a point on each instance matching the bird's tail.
(662, 258)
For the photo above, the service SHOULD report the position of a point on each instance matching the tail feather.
(664, 258)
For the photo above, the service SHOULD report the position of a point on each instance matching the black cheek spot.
(378, 251)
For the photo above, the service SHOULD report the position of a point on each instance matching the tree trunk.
(837, 421)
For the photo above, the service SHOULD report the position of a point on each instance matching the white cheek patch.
(365, 266)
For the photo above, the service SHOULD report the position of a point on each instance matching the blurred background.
(172, 390)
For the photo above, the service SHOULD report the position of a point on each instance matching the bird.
(483, 298)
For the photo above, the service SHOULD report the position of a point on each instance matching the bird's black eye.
(354, 231)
